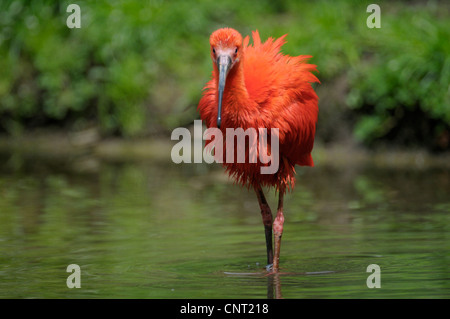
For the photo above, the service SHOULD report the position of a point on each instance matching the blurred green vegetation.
(137, 68)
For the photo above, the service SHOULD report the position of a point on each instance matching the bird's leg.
(266, 214)
(278, 231)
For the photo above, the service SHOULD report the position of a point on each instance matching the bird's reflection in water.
(274, 279)
(274, 286)
(273, 282)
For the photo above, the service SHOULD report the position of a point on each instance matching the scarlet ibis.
(257, 86)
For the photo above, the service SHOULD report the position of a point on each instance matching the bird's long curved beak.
(223, 64)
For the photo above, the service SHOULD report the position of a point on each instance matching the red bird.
(256, 86)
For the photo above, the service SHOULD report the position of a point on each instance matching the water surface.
(152, 229)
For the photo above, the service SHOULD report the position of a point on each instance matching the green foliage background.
(137, 68)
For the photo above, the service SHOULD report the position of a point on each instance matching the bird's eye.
(214, 51)
(235, 51)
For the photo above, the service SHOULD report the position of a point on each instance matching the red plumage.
(256, 86)
(264, 89)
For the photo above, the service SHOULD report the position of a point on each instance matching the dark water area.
(154, 229)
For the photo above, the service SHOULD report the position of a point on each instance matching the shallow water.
(159, 230)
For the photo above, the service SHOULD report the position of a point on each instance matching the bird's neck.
(235, 78)
(235, 95)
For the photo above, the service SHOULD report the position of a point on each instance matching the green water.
(159, 230)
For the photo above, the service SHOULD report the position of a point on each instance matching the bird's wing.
(281, 86)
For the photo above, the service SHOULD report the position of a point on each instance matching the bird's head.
(226, 52)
